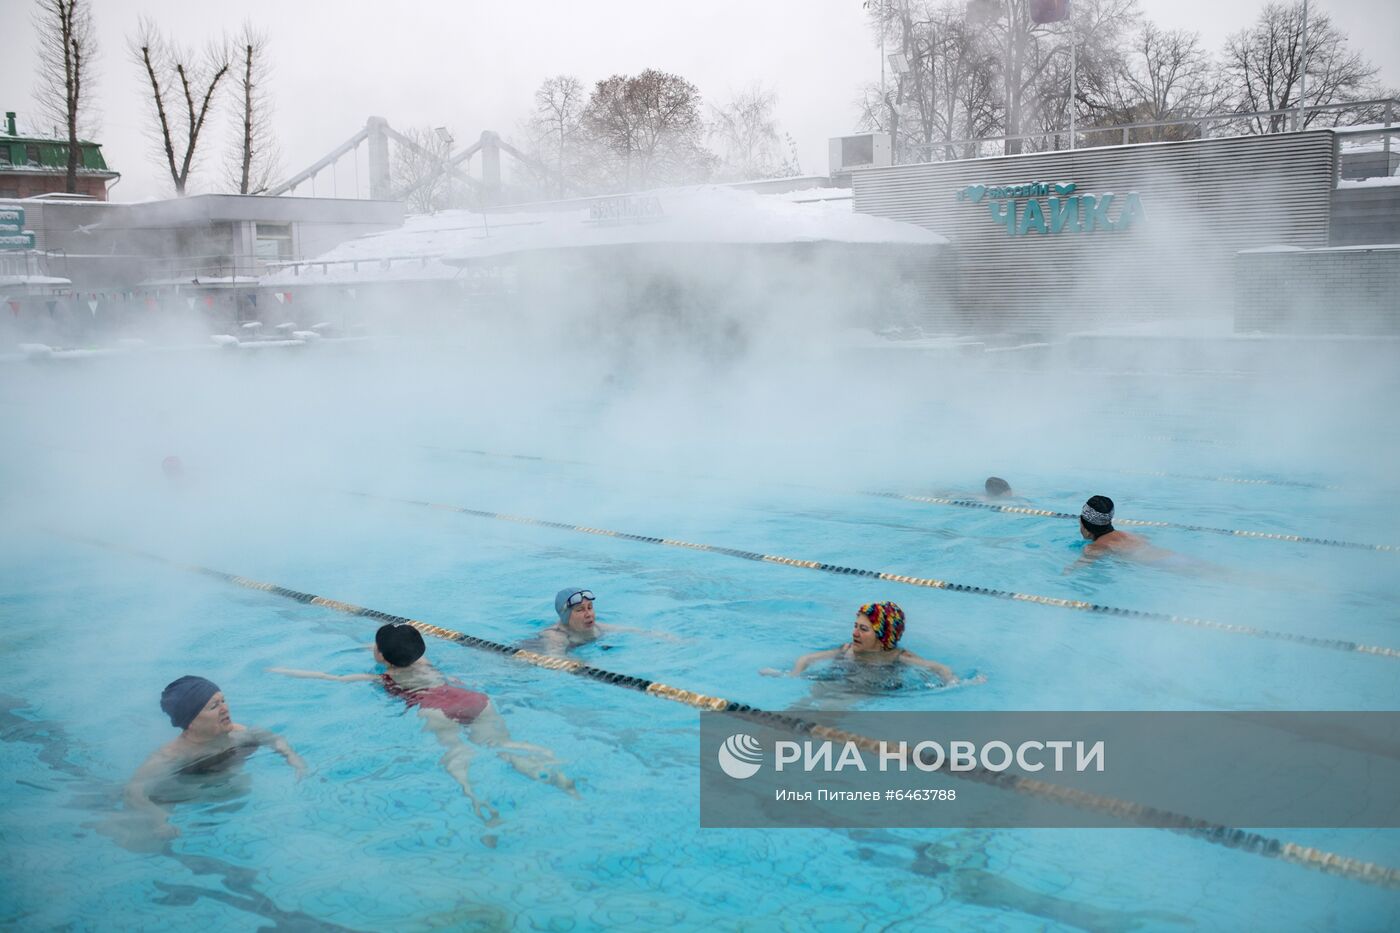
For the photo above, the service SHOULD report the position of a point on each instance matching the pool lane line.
(1296, 484)
(993, 507)
(1126, 810)
(1138, 523)
(1311, 641)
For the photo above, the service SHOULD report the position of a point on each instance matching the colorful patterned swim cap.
(887, 620)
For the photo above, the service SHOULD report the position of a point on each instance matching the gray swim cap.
(564, 600)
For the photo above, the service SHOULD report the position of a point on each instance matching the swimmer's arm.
(281, 746)
(1091, 554)
(638, 631)
(944, 672)
(318, 675)
(802, 663)
(554, 642)
(158, 765)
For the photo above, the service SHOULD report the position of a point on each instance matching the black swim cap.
(183, 699)
(1097, 515)
(996, 486)
(400, 644)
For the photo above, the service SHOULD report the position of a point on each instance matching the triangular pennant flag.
(280, 296)
(14, 306)
(52, 304)
(209, 300)
(253, 300)
(92, 306)
(190, 303)
(151, 304)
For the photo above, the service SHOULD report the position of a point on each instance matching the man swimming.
(874, 641)
(997, 488)
(445, 707)
(1096, 525)
(209, 741)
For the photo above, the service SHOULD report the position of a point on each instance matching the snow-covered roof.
(1380, 181)
(434, 247)
(36, 281)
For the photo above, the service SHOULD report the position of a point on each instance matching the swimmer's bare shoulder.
(1116, 541)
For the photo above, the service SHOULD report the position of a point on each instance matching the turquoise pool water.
(378, 836)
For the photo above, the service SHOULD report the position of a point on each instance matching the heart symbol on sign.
(1065, 189)
(975, 192)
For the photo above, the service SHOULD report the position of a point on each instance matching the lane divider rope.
(1011, 509)
(1238, 480)
(1128, 811)
(1137, 523)
(1311, 641)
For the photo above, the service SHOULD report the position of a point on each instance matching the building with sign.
(1054, 242)
(86, 270)
(31, 166)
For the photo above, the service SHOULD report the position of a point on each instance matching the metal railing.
(369, 262)
(1247, 123)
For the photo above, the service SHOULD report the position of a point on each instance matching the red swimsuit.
(455, 702)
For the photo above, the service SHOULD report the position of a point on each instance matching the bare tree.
(420, 172)
(253, 158)
(1100, 31)
(555, 131)
(649, 128)
(170, 70)
(67, 50)
(747, 133)
(1162, 76)
(1264, 67)
(985, 66)
(949, 90)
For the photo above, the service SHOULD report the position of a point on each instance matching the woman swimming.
(874, 641)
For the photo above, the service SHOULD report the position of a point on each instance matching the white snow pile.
(432, 247)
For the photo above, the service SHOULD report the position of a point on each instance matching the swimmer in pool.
(209, 741)
(874, 641)
(445, 708)
(1096, 525)
(578, 623)
(997, 488)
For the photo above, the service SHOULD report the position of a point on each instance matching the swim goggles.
(577, 598)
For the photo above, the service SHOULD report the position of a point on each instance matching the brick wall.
(32, 184)
(1351, 290)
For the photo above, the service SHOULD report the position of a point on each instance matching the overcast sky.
(473, 65)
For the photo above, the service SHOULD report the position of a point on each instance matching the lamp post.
(899, 64)
(1302, 121)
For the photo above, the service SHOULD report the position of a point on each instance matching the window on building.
(9, 192)
(31, 154)
(274, 242)
(4, 155)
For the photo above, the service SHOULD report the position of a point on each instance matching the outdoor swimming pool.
(378, 836)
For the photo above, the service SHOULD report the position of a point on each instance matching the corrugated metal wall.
(1204, 200)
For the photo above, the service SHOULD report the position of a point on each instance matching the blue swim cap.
(563, 597)
(183, 699)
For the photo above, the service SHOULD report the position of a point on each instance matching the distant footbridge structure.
(376, 136)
